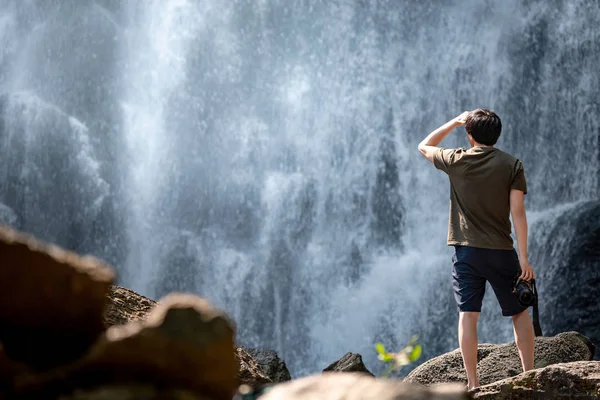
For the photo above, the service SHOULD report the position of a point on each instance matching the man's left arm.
(428, 147)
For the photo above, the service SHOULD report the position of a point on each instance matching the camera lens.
(526, 297)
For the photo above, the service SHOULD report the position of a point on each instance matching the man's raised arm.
(428, 146)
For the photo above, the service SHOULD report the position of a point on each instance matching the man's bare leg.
(524, 337)
(467, 339)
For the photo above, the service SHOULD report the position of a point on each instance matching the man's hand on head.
(428, 146)
(461, 120)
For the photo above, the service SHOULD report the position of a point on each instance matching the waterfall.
(262, 153)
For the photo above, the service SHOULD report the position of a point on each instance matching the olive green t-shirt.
(481, 179)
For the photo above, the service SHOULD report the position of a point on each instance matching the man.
(486, 185)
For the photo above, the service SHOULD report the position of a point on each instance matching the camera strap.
(536, 314)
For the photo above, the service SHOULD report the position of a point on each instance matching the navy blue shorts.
(474, 266)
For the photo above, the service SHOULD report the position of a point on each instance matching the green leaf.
(416, 353)
(380, 348)
(387, 357)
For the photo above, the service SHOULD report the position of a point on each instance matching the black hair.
(484, 126)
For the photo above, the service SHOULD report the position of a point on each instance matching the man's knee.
(469, 316)
(522, 314)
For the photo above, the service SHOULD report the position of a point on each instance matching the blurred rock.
(576, 380)
(273, 366)
(51, 300)
(183, 342)
(125, 305)
(355, 386)
(501, 361)
(133, 392)
(350, 362)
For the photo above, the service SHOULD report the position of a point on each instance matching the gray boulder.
(350, 362)
(273, 366)
(501, 361)
(249, 372)
(577, 380)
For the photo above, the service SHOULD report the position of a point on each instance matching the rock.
(271, 364)
(569, 271)
(249, 371)
(184, 343)
(355, 386)
(500, 361)
(51, 300)
(576, 380)
(125, 305)
(133, 392)
(350, 362)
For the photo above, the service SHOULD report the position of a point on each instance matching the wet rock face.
(51, 300)
(501, 361)
(568, 266)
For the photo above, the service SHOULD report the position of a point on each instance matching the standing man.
(486, 185)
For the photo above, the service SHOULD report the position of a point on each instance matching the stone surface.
(273, 366)
(249, 371)
(125, 305)
(133, 392)
(184, 342)
(355, 386)
(569, 271)
(350, 362)
(500, 361)
(51, 300)
(577, 380)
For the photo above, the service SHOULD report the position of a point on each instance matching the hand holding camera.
(527, 273)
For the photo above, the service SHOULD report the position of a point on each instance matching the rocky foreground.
(66, 332)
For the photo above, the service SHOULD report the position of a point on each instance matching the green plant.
(407, 355)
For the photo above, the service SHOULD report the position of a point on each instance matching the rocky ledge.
(66, 332)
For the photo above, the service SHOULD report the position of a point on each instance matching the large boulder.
(501, 361)
(183, 343)
(51, 300)
(357, 386)
(350, 362)
(273, 366)
(577, 380)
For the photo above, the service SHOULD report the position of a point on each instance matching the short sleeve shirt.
(481, 179)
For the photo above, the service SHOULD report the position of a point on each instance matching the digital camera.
(525, 292)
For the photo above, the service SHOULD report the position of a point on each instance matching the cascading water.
(262, 153)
